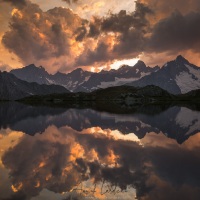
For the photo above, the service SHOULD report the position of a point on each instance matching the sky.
(62, 35)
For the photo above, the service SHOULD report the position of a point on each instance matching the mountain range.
(177, 76)
(12, 88)
(84, 81)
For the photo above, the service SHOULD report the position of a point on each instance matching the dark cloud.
(128, 31)
(120, 22)
(177, 32)
(80, 33)
(170, 33)
(16, 3)
(100, 54)
(132, 43)
(123, 21)
(95, 27)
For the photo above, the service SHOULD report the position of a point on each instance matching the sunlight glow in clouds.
(96, 34)
(116, 65)
(130, 62)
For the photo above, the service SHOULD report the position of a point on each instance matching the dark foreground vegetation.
(121, 99)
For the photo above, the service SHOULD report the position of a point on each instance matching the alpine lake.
(54, 153)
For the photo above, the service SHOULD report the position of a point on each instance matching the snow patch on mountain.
(121, 81)
(117, 82)
(195, 72)
(86, 79)
(50, 82)
(186, 82)
(144, 74)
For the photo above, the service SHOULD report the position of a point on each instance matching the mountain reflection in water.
(55, 153)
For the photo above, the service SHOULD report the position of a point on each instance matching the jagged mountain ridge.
(121, 76)
(31, 73)
(12, 88)
(177, 76)
(73, 79)
(84, 81)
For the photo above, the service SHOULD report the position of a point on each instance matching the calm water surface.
(60, 154)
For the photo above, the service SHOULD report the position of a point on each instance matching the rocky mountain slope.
(84, 81)
(177, 76)
(12, 88)
(121, 76)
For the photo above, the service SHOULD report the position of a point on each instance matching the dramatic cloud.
(62, 37)
(90, 35)
(37, 36)
(125, 36)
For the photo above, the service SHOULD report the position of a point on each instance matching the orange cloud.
(63, 39)
(43, 36)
